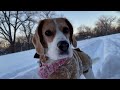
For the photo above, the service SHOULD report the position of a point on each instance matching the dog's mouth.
(63, 53)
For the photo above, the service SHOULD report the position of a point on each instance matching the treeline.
(21, 44)
(105, 25)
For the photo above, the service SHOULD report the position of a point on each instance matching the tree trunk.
(28, 45)
(12, 47)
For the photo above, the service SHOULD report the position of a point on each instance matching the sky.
(87, 18)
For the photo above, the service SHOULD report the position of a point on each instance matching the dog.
(54, 42)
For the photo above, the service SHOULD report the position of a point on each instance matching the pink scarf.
(47, 69)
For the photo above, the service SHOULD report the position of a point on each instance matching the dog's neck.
(48, 68)
(45, 59)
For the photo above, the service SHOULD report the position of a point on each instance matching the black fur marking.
(36, 55)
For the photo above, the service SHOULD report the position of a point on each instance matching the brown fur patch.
(49, 25)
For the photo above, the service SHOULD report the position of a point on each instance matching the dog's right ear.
(72, 37)
(36, 40)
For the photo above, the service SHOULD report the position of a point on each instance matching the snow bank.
(104, 51)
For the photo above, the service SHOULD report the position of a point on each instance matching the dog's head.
(54, 37)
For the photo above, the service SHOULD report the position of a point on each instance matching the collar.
(48, 68)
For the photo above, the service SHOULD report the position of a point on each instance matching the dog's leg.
(89, 74)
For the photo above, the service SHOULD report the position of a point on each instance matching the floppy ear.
(74, 42)
(72, 37)
(37, 44)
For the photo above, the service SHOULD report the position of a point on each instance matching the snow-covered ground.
(104, 51)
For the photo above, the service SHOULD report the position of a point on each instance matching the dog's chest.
(70, 70)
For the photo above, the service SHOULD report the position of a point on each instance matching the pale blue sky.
(88, 18)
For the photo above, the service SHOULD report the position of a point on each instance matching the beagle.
(53, 41)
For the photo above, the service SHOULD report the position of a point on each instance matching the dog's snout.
(63, 45)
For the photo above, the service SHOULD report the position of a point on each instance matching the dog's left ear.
(72, 37)
(74, 41)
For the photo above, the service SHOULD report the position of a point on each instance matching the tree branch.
(5, 37)
(7, 20)
(4, 31)
(22, 22)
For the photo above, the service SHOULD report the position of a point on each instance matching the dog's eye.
(65, 30)
(48, 33)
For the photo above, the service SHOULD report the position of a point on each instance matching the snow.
(104, 51)
(18, 64)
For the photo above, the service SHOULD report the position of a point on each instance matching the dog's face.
(56, 36)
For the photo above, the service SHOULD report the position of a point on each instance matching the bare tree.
(10, 22)
(27, 30)
(84, 28)
(84, 32)
(81, 28)
(104, 24)
(46, 14)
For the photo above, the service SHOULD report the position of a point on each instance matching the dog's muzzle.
(63, 46)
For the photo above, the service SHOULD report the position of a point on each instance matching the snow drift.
(104, 51)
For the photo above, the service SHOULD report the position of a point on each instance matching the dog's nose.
(63, 45)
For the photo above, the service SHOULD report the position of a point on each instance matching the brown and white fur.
(46, 45)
